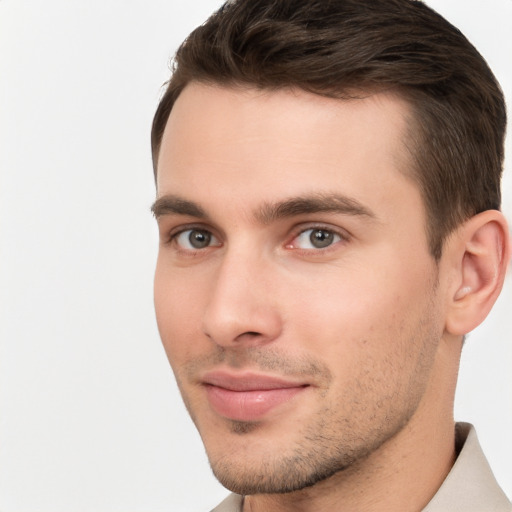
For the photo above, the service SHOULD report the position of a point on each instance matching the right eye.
(195, 239)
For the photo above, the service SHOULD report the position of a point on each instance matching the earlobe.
(480, 257)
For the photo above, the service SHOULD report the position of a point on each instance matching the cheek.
(344, 308)
(362, 312)
(177, 314)
(379, 345)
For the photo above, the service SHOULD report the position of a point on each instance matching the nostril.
(248, 335)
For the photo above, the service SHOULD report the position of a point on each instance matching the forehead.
(222, 143)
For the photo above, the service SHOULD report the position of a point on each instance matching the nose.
(242, 309)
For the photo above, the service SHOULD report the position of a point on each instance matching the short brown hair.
(334, 47)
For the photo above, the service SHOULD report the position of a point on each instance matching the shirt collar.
(470, 485)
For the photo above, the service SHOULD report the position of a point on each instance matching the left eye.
(315, 238)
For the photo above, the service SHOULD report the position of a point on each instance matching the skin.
(360, 323)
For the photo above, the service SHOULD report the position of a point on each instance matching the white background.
(90, 419)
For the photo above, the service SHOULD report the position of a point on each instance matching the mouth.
(248, 396)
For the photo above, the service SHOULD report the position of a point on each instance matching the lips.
(248, 397)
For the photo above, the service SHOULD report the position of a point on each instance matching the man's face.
(294, 290)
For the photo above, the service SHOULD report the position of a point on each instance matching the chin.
(279, 475)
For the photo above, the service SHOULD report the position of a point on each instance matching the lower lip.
(248, 405)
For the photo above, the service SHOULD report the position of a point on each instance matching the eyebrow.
(170, 204)
(316, 203)
(271, 212)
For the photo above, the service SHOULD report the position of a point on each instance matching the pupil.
(320, 238)
(199, 239)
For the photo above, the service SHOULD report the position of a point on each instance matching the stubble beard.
(323, 452)
(331, 442)
(329, 445)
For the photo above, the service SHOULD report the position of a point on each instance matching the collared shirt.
(469, 487)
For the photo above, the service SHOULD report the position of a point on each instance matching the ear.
(479, 255)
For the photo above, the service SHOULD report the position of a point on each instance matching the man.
(328, 205)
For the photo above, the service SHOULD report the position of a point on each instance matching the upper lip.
(248, 381)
